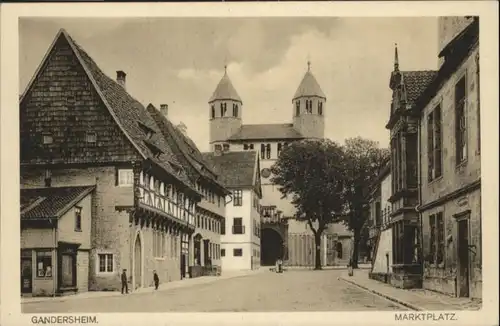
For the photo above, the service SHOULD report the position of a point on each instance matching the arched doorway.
(137, 262)
(271, 245)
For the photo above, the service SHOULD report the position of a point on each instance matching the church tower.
(225, 111)
(309, 107)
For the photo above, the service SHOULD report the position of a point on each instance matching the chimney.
(164, 110)
(120, 77)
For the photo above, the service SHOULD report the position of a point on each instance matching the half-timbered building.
(79, 127)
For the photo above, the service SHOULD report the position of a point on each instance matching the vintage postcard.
(258, 163)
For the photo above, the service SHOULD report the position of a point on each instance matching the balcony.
(157, 203)
(238, 229)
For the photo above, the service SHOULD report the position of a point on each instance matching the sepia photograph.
(250, 164)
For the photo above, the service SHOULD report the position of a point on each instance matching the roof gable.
(128, 113)
(267, 131)
(415, 82)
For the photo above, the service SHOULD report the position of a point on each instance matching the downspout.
(55, 271)
(419, 202)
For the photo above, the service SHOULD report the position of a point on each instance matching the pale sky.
(179, 61)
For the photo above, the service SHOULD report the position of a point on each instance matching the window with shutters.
(461, 120)
(434, 144)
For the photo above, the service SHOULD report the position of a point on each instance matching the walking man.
(156, 279)
(124, 282)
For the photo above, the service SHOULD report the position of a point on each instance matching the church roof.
(225, 90)
(267, 131)
(309, 86)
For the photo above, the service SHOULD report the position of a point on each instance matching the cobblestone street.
(295, 290)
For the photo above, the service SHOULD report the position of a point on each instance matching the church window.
(268, 151)
(297, 108)
(309, 106)
(262, 150)
(320, 108)
(213, 111)
(235, 110)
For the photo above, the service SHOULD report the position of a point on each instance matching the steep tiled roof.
(184, 145)
(225, 90)
(309, 86)
(416, 82)
(47, 203)
(236, 169)
(128, 114)
(266, 131)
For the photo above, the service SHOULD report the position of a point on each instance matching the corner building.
(78, 127)
(229, 134)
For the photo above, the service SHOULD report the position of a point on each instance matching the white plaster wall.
(384, 247)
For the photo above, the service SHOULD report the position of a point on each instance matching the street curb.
(118, 293)
(405, 304)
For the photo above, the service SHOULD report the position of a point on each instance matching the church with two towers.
(281, 235)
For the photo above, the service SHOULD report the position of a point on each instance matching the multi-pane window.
(309, 106)
(238, 198)
(436, 224)
(125, 177)
(461, 120)
(105, 263)
(44, 263)
(237, 252)
(223, 252)
(397, 162)
(248, 147)
(268, 151)
(434, 143)
(238, 227)
(262, 151)
(297, 108)
(78, 218)
(223, 227)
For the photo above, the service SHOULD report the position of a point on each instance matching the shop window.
(44, 263)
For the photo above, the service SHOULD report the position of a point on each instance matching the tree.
(310, 172)
(362, 161)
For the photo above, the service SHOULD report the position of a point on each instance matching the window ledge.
(435, 180)
(461, 165)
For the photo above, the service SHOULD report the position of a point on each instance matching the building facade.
(211, 210)
(403, 123)
(228, 133)
(450, 165)
(380, 232)
(78, 127)
(240, 240)
(55, 240)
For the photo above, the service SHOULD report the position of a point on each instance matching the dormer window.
(48, 139)
(91, 137)
(147, 130)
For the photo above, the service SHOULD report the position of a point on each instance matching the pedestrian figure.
(124, 282)
(156, 279)
(349, 266)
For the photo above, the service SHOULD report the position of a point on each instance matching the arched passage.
(271, 246)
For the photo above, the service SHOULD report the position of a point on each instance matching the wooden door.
(463, 259)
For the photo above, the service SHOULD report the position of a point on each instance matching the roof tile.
(236, 169)
(267, 131)
(416, 82)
